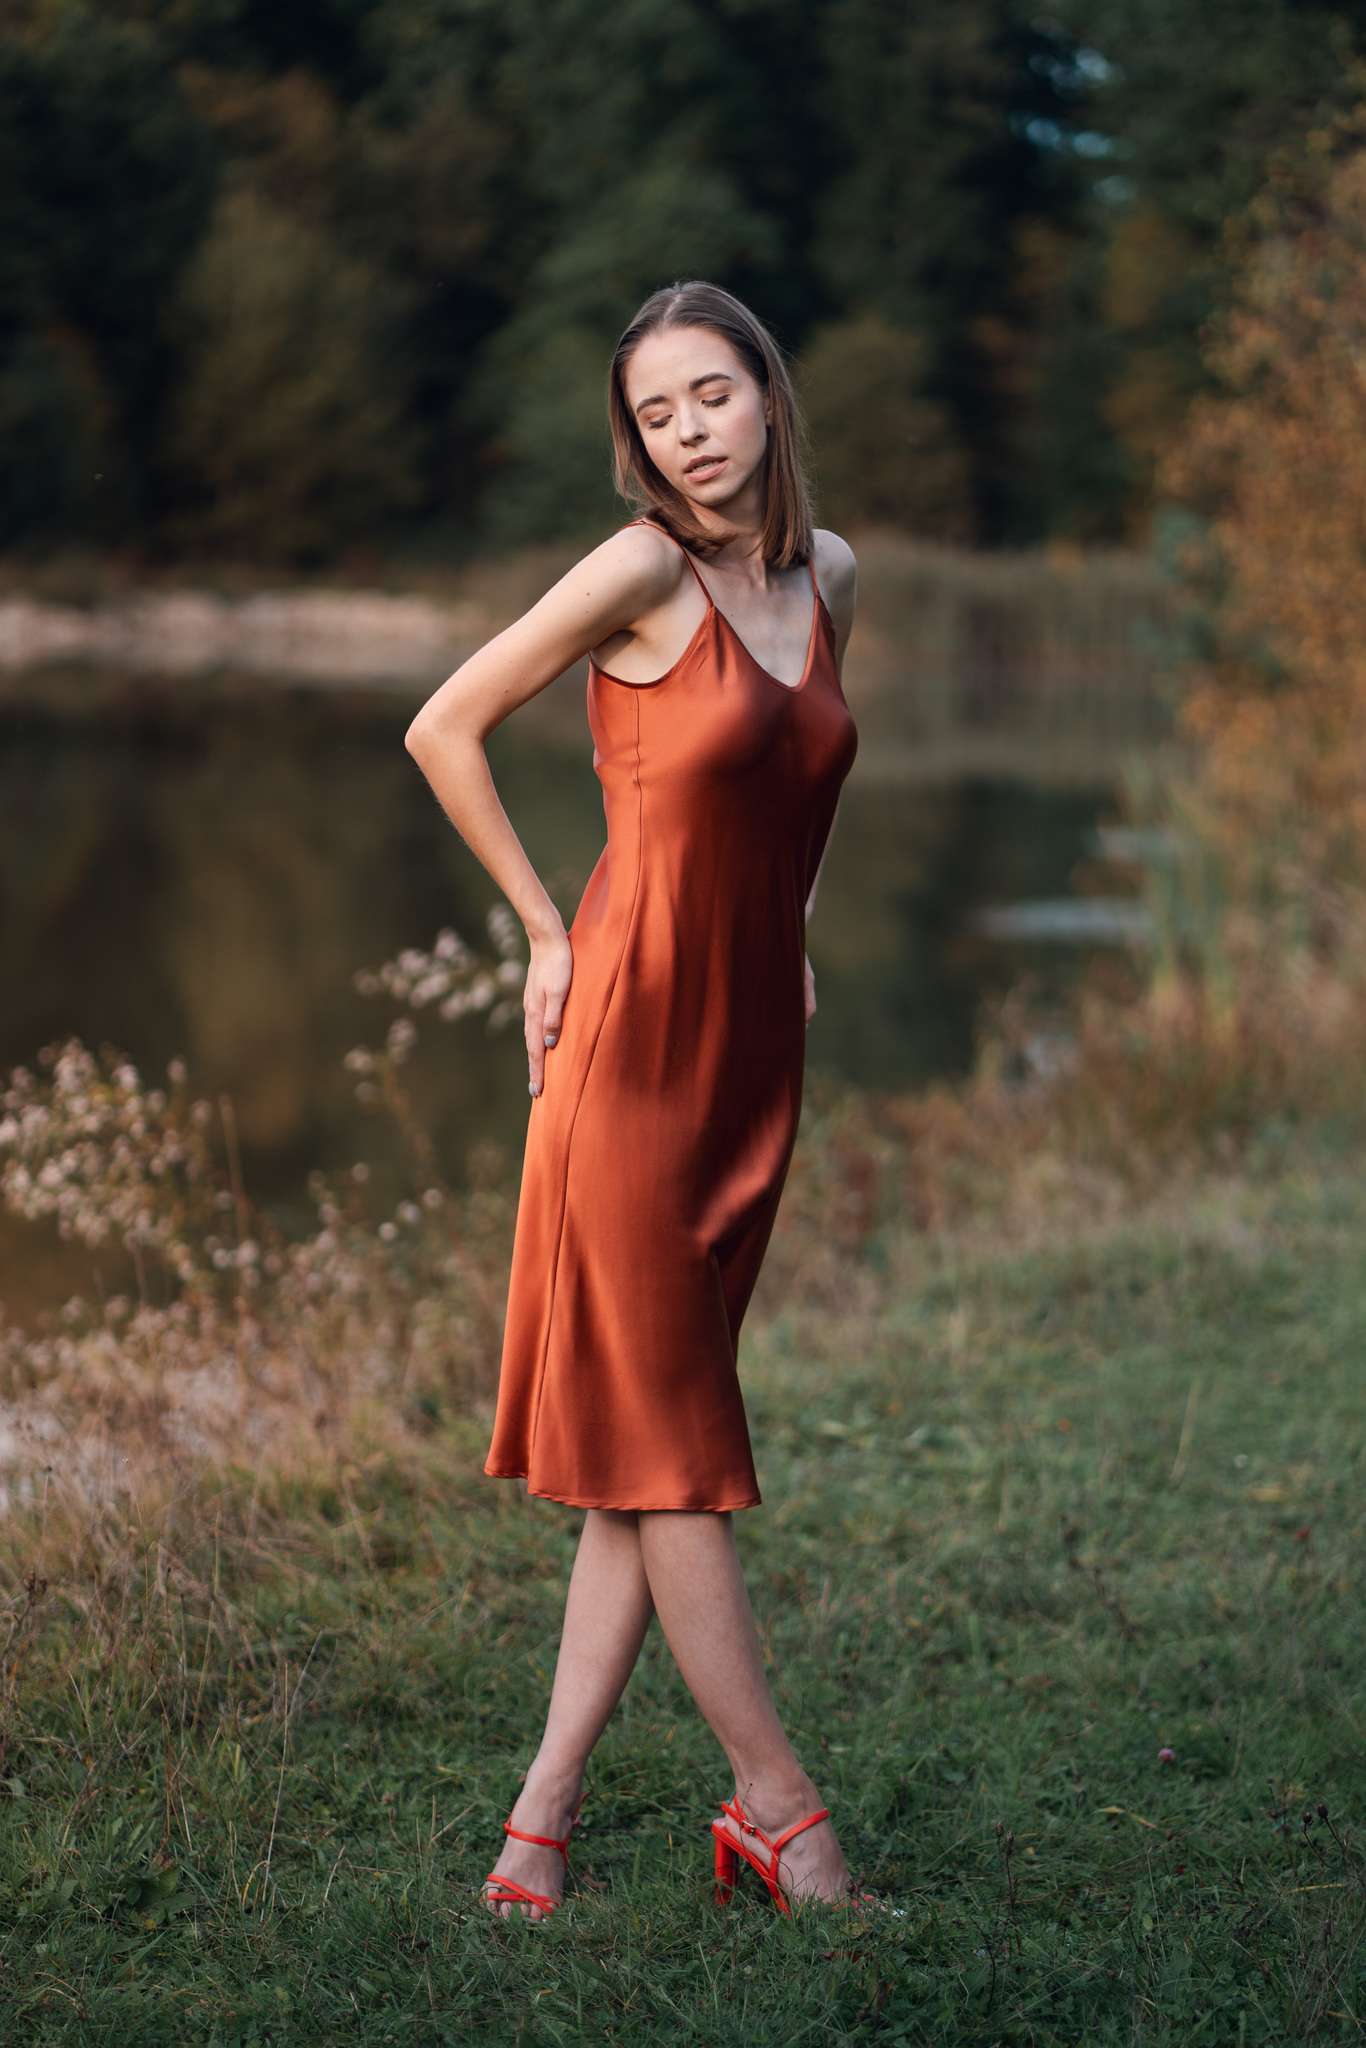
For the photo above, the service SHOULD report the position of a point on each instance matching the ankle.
(773, 1796)
(554, 1783)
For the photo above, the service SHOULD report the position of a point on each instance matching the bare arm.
(606, 592)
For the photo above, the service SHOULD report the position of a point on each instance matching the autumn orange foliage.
(1277, 457)
(1245, 1023)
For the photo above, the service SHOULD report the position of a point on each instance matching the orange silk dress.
(657, 1150)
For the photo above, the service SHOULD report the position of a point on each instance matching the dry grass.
(233, 1344)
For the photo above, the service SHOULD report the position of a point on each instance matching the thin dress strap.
(688, 557)
(685, 552)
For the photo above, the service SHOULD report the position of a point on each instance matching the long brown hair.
(785, 535)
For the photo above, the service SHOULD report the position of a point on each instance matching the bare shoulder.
(648, 570)
(837, 574)
(640, 564)
(644, 567)
(835, 562)
(600, 600)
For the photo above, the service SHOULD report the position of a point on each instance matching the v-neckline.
(792, 689)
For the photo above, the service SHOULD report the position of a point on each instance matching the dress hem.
(633, 1506)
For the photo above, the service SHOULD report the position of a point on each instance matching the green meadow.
(1059, 1577)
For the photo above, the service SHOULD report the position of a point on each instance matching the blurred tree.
(1274, 460)
(1055, 359)
(287, 132)
(106, 179)
(1035, 198)
(288, 429)
(632, 122)
(53, 431)
(329, 37)
(955, 128)
(540, 388)
(883, 452)
(1189, 106)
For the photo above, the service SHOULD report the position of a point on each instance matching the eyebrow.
(706, 378)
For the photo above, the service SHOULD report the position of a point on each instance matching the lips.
(704, 467)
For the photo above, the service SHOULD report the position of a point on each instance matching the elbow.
(438, 724)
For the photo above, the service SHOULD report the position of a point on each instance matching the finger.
(552, 1021)
(535, 1045)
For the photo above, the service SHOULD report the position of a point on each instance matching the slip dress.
(657, 1152)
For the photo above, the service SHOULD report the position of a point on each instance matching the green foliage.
(540, 389)
(1037, 200)
(1194, 104)
(51, 432)
(287, 427)
(548, 455)
(106, 178)
(888, 455)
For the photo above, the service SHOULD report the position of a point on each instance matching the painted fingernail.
(551, 1036)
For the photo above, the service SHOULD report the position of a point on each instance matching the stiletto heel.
(728, 1853)
(520, 1894)
(725, 1864)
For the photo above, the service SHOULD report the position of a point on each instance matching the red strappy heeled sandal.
(727, 1854)
(520, 1894)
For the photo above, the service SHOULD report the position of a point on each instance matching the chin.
(703, 496)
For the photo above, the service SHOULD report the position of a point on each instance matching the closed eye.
(652, 424)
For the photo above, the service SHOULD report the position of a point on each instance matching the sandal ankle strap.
(547, 1841)
(560, 1842)
(775, 1842)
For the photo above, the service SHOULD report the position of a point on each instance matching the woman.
(665, 1036)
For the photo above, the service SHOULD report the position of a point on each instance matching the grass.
(1034, 1518)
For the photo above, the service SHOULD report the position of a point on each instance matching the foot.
(545, 1806)
(811, 1865)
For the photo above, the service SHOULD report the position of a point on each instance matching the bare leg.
(699, 1594)
(607, 1612)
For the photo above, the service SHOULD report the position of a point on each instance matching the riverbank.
(336, 637)
(953, 651)
(1057, 1573)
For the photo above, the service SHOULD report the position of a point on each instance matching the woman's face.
(701, 415)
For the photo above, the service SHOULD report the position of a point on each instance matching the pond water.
(202, 874)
